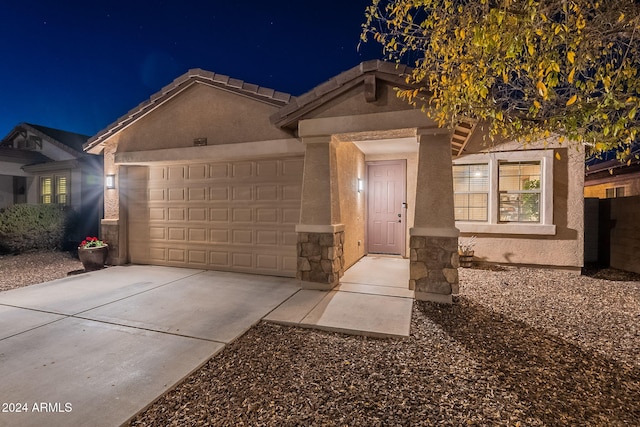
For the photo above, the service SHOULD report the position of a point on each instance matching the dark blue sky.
(79, 65)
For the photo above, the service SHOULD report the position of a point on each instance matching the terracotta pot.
(466, 259)
(93, 258)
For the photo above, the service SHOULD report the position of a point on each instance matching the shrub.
(31, 227)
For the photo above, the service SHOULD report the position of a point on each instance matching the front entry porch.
(371, 299)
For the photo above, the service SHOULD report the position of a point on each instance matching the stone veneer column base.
(110, 233)
(434, 268)
(320, 259)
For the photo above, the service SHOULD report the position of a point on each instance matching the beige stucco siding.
(352, 203)
(201, 111)
(352, 103)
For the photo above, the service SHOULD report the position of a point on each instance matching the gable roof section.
(70, 142)
(180, 84)
(288, 116)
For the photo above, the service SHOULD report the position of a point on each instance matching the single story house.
(216, 173)
(39, 164)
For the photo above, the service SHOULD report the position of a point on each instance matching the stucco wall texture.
(566, 247)
(352, 203)
(202, 112)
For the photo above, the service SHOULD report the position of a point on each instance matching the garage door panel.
(197, 172)
(234, 216)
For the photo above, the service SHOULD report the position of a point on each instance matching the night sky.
(79, 65)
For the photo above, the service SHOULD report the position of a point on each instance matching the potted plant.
(92, 253)
(465, 251)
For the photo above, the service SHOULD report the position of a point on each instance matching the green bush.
(32, 227)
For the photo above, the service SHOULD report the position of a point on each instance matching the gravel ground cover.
(527, 347)
(35, 267)
(519, 347)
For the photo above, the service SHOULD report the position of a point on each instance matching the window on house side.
(54, 190)
(61, 190)
(615, 192)
(46, 190)
(471, 192)
(519, 188)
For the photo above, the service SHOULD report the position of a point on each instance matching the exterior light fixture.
(360, 185)
(110, 182)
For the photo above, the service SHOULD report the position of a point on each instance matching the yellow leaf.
(571, 75)
(558, 156)
(505, 77)
(462, 33)
(542, 89)
(571, 56)
(572, 100)
(531, 49)
(621, 17)
(537, 104)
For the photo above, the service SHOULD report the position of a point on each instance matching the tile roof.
(387, 71)
(193, 76)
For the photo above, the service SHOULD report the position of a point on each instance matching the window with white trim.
(54, 189)
(519, 188)
(471, 192)
(504, 192)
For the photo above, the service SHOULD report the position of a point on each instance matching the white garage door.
(235, 216)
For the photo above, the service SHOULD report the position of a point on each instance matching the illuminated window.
(61, 190)
(46, 190)
(519, 189)
(54, 190)
(471, 192)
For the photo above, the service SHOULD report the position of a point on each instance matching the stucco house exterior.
(216, 173)
(39, 164)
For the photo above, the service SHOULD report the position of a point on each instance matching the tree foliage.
(529, 67)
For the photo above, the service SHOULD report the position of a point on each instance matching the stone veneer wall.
(433, 267)
(110, 234)
(320, 257)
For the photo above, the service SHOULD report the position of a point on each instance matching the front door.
(385, 211)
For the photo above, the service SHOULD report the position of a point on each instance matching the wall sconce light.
(360, 185)
(110, 182)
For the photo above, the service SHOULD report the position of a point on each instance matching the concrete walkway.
(372, 299)
(96, 348)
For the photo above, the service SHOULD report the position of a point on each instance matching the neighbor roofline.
(179, 85)
(50, 139)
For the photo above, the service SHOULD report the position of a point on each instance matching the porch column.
(113, 225)
(434, 237)
(320, 235)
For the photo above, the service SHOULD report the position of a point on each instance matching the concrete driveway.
(95, 348)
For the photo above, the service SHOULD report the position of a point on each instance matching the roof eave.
(95, 144)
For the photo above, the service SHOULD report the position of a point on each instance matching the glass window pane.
(45, 190)
(519, 186)
(61, 190)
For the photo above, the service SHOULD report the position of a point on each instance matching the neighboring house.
(44, 165)
(212, 172)
(607, 177)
